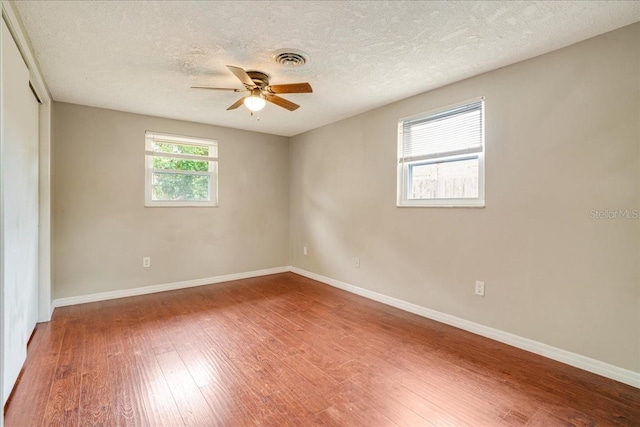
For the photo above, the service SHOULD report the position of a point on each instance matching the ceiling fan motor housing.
(259, 78)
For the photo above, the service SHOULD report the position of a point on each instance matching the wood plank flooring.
(284, 350)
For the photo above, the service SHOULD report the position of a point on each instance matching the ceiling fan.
(260, 91)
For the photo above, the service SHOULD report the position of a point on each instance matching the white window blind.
(448, 133)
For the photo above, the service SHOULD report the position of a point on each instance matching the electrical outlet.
(304, 250)
(357, 262)
(146, 262)
(479, 288)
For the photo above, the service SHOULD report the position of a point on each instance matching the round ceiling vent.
(290, 57)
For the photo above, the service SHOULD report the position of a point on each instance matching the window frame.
(212, 173)
(404, 168)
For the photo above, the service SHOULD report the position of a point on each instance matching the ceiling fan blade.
(218, 88)
(291, 88)
(241, 75)
(236, 104)
(275, 99)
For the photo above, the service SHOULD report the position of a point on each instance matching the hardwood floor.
(285, 350)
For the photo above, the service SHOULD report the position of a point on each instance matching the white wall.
(101, 229)
(562, 139)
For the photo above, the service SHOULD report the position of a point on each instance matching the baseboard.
(586, 363)
(103, 296)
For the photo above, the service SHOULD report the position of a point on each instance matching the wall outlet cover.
(479, 288)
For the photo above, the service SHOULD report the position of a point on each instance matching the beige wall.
(102, 229)
(562, 139)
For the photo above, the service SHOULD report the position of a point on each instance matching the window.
(180, 171)
(441, 157)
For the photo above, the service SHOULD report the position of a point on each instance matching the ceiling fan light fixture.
(255, 103)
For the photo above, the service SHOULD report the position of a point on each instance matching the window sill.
(442, 203)
(180, 205)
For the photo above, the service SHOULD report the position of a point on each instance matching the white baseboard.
(586, 363)
(103, 296)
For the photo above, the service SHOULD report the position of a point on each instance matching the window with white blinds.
(441, 157)
(180, 170)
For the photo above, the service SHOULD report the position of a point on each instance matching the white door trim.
(14, 23)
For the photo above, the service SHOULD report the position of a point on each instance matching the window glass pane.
(180, 164)
(446, 180)
(175, 186)
(167, 147)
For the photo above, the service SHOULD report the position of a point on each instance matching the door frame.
(45, 308)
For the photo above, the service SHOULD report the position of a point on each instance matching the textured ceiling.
(143, 56)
